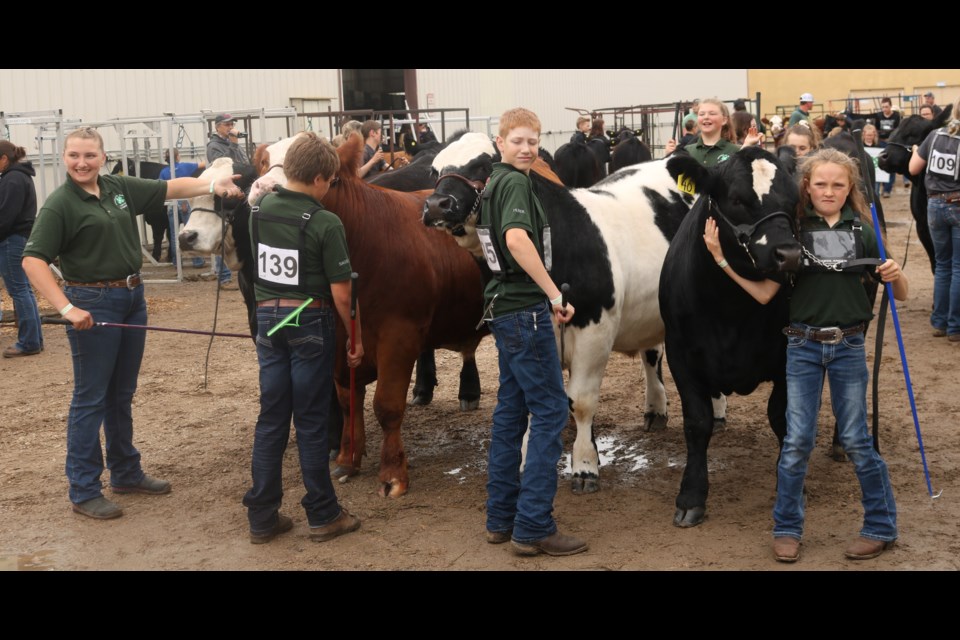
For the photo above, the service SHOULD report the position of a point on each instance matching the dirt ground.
(200, 440)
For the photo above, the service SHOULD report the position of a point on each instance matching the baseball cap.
(223, 117)
(928, 94)
(806, 97)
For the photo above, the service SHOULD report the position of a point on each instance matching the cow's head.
(912, 130)
(462, 170)
(754, 201)
(268, 161)
(203, 233)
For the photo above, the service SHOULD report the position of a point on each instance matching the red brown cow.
(417, 289)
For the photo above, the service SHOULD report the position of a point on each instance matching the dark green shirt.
(325, 257)
(95, 238)
(828, 299)
(519, 208)
(711, 156)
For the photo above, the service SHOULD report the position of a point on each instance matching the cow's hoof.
(719, 424)
(421, 398)
(469, 405)
(392, 489)
(342, 471)
(689, 517)
(654, 421)
(838, 454)
(581, 485)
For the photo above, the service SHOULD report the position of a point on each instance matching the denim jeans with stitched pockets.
(531, 385)
(296, 373)
(845, 365)
(29, 336)
(106, 363)
(944, 220)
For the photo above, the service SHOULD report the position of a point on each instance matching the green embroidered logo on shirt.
(120, 201)
(722, 157)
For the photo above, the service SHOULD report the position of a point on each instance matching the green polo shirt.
(798, 115)
(325, 258)
(825, 299)
(711, 156)
(519, 208)
(95, 238)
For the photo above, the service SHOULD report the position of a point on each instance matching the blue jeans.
(29, 336)
(222, 270)
(846, 366)
(944, 221)
(531, 385)
(296, 373)
(106, 363)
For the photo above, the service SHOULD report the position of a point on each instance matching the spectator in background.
(740, 105)
(871, 141)
(425, 134)
(183, 170)
(692, 113)
(18, 210)
(802, 112)
(804, 139)
(927, 112)
(690, 131)
(372, 163)
(599, 144)
(742, 122)
(583, 128)
(223, 144)
(930, 101)
(838, 121)
(886, 120)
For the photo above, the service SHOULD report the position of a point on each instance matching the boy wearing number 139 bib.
(940, 155)
(301, 253)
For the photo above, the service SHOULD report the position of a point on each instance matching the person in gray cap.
(224, 142)
(930, 100)
(803, 111)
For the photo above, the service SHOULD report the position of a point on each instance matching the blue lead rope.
(903, 354)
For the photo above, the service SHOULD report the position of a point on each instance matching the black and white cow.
(608, 244)
(718, 338)
(896, 159)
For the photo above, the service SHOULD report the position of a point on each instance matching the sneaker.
(954, 337)
(553, 545)
(229, 285)
(886, 194)
(13, 352)
(939, 333)
(345, 523)
(208, 275)
(148, 485)
(283, 525)
(98, 509)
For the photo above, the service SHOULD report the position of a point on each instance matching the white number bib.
(944, 164)
(281, 266)
(488, 251)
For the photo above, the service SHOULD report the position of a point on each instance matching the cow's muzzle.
(788, 258)
(187, 240)
(437, 209)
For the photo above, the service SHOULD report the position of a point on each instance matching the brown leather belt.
(952, 196)
(826, 335)
(293, 302)
(130, 282)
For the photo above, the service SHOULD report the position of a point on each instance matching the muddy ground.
(200, 440)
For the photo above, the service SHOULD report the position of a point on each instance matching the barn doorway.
(377, 89)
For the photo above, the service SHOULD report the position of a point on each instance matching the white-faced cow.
(719, 339)
(608, 244)
(417, 290)
(896, 159)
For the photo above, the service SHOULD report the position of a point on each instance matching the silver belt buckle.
(837, 335)
(130, 278)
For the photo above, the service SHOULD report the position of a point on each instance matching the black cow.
(629, 150)
(718, 338)
(896, 159)
(156, 217)
(577, 166)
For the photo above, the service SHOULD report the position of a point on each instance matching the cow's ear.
(685, 169)
(944, 116)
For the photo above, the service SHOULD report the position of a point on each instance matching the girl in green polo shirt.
(828, 310)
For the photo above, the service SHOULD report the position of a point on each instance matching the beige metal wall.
(831, 86)
(490, 92)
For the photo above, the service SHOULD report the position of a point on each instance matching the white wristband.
(211, 185)
(557, 301)
(723, 264)
(66, 309)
